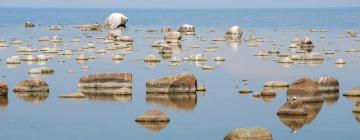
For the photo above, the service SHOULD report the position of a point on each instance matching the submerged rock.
(151, 59)
(305, 90)
(153, 116)
(116, 20)
(293, 107)
(180, 83)
(32, 86)
(234, 34)
(99, 83)
(249, 134)
(3, 89)
(91, 27)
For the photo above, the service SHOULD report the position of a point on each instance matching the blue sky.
(180, 3)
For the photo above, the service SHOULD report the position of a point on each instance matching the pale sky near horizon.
(180, 3)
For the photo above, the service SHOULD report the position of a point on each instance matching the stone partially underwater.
(153, 120)
(106, 83)
(296, 122)
(305, 90)
(180, 83)
(35, 91)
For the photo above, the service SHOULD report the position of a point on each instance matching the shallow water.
(207, 116)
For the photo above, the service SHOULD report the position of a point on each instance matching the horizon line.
(157, 8)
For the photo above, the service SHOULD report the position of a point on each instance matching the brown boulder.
(32, 86)
(327, 84)
(293, 107)
(305, 90)
(153, 116)
(180, 83)
(356, 109)
(3, 89)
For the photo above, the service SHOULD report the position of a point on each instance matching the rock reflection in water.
(4, 101)
(34, 97)
(295, 123)
(178, 101)
(330, 97)
(106, 94)
(357, 116)
(153, 126)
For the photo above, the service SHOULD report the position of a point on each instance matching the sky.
(179, 3)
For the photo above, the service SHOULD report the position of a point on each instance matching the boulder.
(172, 37)
(3, 89)
(116, 20)
(353, 92)
(234, 33)
(327, 84)
(293, 107)
(180, 83)
(249, 134)
(153, 116)
(106, 83)
(187, 29)
(306, 44)
(268, 92)
(305, 90)
(29, 24)
(32, 86)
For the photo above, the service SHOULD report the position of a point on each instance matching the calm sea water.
(207, 116)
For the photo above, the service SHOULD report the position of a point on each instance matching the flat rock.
(353, 92)
(276, 84)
